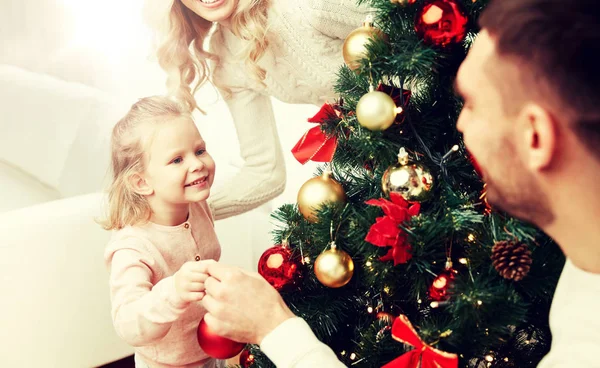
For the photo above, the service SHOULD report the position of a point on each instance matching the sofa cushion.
(86, 168)
(41, 116)
(18, 189)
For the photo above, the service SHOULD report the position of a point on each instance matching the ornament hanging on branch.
(354, 47)
(279, 266)
(401, 98)
(413, 181)
(511, 259)
(438, 291)
(246, 358)
(334, 267)
(317, 192)
(217, 346)
(441, 23)
(376, 110)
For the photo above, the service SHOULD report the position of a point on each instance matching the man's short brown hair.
(557, 44)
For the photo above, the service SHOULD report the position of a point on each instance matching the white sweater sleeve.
(263, 176)
(293, 345)
(336, 18)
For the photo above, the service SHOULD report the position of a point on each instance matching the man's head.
(531, 88)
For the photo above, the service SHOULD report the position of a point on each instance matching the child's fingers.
(196, 296)
(195, 286)
(202, 266)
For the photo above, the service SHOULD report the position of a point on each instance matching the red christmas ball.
(279, 267)
(441, 22)
(217, 346)
(438, 290)
(246, 359)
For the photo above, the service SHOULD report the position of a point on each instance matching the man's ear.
(540, 133)
(139, 184)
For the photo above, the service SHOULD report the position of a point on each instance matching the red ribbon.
(315, 145)
(423, 355)
(386, 231)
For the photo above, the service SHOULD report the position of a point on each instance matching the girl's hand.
(189, 280)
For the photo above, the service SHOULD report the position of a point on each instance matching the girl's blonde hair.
(181, 47)
(129, 141)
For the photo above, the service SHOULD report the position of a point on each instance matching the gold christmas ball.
(334, 268)
(376, 110)
(318, 191)
(354, 48)
(412, 180)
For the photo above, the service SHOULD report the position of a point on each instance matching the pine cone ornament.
(511, 259)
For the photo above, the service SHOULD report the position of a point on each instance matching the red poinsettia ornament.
(386, 230)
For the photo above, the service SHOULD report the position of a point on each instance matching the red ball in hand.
(279, 267)
(217, 346)
(441, 22)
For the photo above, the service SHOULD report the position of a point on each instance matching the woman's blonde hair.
(182, 51)
(129, 141)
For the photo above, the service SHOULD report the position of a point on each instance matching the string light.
(471, 237)
(462, 261)
(307, 260)
(368, 264)
(452, 150)
(370, 309)
(386, 289)
(343, 352)
(489, 358)
(479, 302)
(352, 356)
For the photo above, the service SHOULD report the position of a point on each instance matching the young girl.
(288, 49)
(164, 235)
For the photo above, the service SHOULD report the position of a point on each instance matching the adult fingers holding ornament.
(242, 306)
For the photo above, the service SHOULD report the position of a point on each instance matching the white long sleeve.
(263, 176)
(293, 345)
(302, 60)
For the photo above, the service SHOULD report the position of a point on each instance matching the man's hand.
(242, 306)
(189, 280)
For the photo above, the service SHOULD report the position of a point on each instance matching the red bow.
(315, 145)
(386, 231)
(428, 357)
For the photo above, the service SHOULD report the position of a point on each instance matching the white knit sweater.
(304, 55)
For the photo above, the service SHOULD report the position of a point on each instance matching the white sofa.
(53, 152)
(54, 138)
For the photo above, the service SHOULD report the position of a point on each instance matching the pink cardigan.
(147, 312)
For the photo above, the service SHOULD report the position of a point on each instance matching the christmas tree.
(394, 230)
